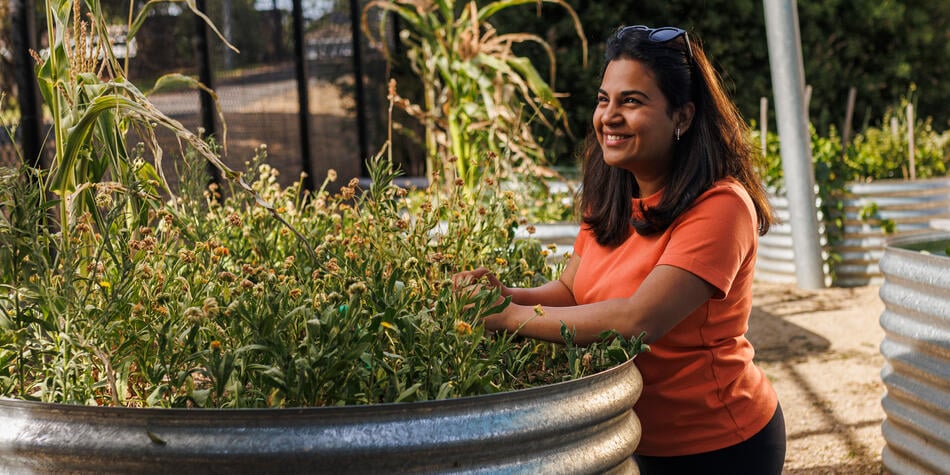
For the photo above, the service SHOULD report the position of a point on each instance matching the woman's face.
(632, 120)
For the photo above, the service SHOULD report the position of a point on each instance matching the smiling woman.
(671, 213)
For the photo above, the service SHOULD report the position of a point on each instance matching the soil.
(820, 350)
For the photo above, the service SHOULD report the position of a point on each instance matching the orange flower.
(462, 328)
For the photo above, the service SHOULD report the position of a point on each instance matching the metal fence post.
(788, 79)
(203, 57)
(28, 95)
(303, 95)
(358, 82)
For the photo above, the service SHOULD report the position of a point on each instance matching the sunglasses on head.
(661, 34)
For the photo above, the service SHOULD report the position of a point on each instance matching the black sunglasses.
(661, 34)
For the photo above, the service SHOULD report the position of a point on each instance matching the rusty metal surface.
(581, 426)
(916, 346)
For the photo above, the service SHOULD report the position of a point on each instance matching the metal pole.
(303, 96)
(28, 94)
(788, 83)
(203, 57)
(358, 79)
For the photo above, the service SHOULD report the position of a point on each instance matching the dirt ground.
(820, 350)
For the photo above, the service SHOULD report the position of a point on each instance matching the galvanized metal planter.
(916, 320)
(775, 261)
(581, 426)
(909, 205)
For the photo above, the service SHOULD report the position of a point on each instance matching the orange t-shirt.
(701, 391)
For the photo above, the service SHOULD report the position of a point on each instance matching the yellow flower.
(388, 326)
(539, 310)
(501, 261)
(105, 284)
(462, 328)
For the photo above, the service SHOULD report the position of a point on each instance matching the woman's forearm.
(587, 322)
(664, 299)
(554, 294)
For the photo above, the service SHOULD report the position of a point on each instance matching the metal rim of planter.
(585, 425)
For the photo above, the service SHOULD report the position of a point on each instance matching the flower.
(462, 328)
(210, 307)
(356, 288)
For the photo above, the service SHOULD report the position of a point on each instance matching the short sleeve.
(715, 237)
(584, 237)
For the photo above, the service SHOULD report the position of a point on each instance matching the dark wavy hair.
(716, 145)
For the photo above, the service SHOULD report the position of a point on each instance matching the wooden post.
(910, 142)
(764, 123)
(848, 115)
(807, 99)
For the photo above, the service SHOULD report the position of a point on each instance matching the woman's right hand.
(474, 279)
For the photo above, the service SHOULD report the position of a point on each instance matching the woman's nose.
(611, 112)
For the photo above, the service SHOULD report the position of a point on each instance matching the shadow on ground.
(815, 427)
(776, 340)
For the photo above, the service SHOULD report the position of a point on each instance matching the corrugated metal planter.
(581, 426)
(908, 205)
(775, 261)
(916, 346)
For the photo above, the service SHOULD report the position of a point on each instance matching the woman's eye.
(631, 100)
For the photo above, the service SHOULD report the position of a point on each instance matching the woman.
(672, 210)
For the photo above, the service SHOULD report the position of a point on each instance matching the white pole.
(788, 83)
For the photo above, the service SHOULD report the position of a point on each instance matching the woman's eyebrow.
(632, 92)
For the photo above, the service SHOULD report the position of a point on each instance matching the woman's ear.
(683, 116)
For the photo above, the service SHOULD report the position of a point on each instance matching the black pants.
(763, 453)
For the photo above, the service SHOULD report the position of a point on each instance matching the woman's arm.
(667, 296)
(556, 293)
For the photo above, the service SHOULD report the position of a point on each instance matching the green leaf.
(409, 392)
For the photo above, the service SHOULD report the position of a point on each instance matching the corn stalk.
(478, 95)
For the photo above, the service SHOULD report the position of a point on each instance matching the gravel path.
(820, 350)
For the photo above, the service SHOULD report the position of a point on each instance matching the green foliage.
(881, 50)
(478, 95)
(877, 153)
(110, 294)
(211, 304)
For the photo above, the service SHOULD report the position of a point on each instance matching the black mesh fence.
(257, 87)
